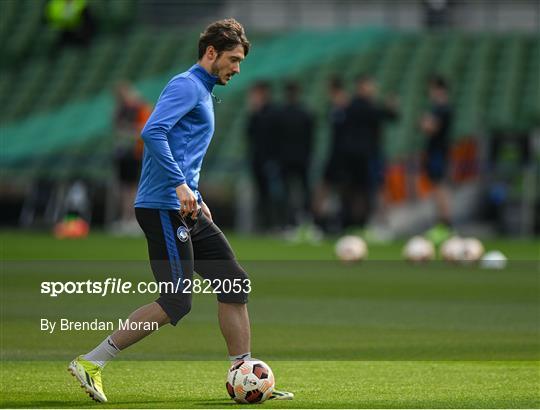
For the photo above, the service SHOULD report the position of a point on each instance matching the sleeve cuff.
(179, 181)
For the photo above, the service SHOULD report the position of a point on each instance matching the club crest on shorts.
(182, 233)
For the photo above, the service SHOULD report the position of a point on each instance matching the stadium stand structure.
(56, 116)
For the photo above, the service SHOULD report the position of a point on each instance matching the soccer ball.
(351, 248)
(493, 260)
(418, 249)
(472, 250)
(250, 381)
(452, 249)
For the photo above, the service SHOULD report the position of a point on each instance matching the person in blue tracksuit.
(181, 236)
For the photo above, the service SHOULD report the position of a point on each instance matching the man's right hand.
(188, 201)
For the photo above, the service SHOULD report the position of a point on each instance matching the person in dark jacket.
(296, 126)
(435, 125)
(262, 153)
(364, 151)
(334, 172)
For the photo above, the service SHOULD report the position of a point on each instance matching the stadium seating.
(64, 104)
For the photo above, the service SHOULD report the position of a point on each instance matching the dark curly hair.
(223, 35)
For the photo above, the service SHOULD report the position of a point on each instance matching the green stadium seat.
(494, 79)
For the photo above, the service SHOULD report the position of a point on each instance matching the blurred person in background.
(130, 115)
(262, 153)
(296, 127)
(334, 172)
(73, 19)
(436, 125)
(364, 159)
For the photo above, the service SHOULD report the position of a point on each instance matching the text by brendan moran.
(66, 325)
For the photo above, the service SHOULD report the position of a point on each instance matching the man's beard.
(215, 71)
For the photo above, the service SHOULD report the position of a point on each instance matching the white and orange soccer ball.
(419, 249)
(250, 381)
(351, 248)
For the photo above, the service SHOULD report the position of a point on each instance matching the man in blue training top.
(177, 223)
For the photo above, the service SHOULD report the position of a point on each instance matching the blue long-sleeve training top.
(176, 138)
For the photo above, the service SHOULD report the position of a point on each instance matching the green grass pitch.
(379, 334)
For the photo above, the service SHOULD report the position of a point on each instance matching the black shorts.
(180, 246)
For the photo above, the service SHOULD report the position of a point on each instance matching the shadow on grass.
(218, 403)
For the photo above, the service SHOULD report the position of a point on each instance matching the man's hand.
(206, 210)
(188, 201)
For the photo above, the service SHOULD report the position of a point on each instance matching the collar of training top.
(208, 79)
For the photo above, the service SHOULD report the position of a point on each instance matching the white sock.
(243, 356)
(104, 352)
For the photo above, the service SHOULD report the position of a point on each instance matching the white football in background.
(452, 249)
(493, 260)
(472, 250)
(351, 248)
(418, 249)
